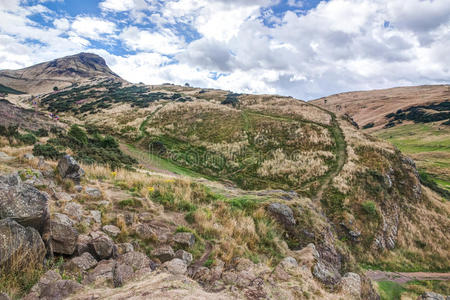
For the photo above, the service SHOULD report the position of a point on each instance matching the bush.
(368, 125)
(369, 207)
(78, 134)
(47, 151)
(41, 132)
(27, 139)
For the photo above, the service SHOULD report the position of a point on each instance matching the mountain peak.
(60, 72)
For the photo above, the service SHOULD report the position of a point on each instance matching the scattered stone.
(28, 156)
(103, 272)
(282, 213)
(163, 253)
(351, 284)
(97, 216)
(69, 168)
(184, 256)
(21, 246)
(78, 188)
(4, 296)
(103, 203)
(289, 263)
(74, 210)
(63, 235)
(93, 192)
(103, 245)
(137, 260)
(432, 296)
(124, 248)
(63, 197)
(23, 203)
(145, 217)
(184, 239)
(175, 266)
(111, 230)
(145, 232)
(326, 274)
(84, 262)
(60, 289)
(5, 157)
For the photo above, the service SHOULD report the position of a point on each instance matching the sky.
(301, 48)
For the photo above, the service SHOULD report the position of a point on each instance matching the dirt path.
(403, 277)
(341, 157)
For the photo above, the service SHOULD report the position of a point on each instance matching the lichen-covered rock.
(432, 296)
(175, 266)
(63, 235)
(96, 215)
(93, 192)
(123, 248)
(282, 213)
(351, 284)
(102, 273)
(69, 168)
(103, 245)
(184, 239)
(122, 274)
(82, 245)
(82, 263)
(20, 247)
(46, 279)
(111, 230)
(145, 231)
(163, 253)
(74, 210)
(137, 260)
(326, 274)
(23, 203)
(288, 263)
(184, 256)
(60, 289)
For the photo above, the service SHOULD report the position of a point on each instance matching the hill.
(282, 198)
(62, 72)
(415, 119)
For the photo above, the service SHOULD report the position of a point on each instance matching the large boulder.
(130, 265)
(175, 266)
(20, 247)
(23, 203)
(63, 235)
(351, 284)
(69, 168)
(81, 263)
(102, 245)
(51, 286)
(282, 213)
(184, 239)
(163, 253)
(326, 274)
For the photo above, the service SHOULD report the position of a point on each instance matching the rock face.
(111, 230)
(351, 284)
(283, 213)
(64, 236)
(69, 168)
(184, 256)
(19, 246)
(23, 203)
(325, 274)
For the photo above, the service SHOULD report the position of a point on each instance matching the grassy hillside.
(8, 90)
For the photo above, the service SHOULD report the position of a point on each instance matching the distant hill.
(8, 90)
(62, 72)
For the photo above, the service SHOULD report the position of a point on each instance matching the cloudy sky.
(301, 48)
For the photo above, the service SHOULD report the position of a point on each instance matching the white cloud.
(93, 28)
(117, 5)
(163, 41)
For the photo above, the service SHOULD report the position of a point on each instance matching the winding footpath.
(404, 277)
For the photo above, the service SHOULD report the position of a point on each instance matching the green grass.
(393, 291)
(390, 290)
(8, 90)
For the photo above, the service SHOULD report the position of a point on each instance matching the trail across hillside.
(341, 158)
(403, 277)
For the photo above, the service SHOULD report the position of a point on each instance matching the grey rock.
(145, 232)
(122, 274)
(63, 235)
(69, 168)
(282, 213)
(82, 263)
(175, 266)
(111, 230)
(93, 192)
(103, 272)
(326, 274)
(124, 248)
(20, 246)
(63, 197)
(4, 296)
(74, 210)
(60, 289)
(137, 260)
(46, 279)
(23, 203)
(184, 256)
(97, 216)
(351, 284)
(432, 296)
(5, 157)
(78, 188)
(82, 245)
(289, 263)
(28, 156)
(103, 245)
(163, 253)
(184, 239)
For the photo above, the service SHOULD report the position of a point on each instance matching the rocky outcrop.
(52, 286)
(20, 247)
(63, 235)
(184, 239)
(351, 285)
(432, 296)
(326, 274)
(69, 168)
(82, 263)
(102, 245)
(111, 230)
(163, 253)
(23, 203)
(282, 213)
